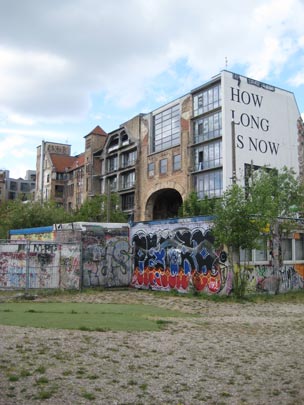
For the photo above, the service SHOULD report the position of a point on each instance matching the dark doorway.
(165, 204)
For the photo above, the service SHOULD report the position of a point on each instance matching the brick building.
(201, 142)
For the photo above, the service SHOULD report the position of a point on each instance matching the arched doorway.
(164, 204)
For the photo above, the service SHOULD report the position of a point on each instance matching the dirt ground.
(231, 353)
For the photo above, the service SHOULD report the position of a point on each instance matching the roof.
(62, 162)
(97, 131)
(79, 161)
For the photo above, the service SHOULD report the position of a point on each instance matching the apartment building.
(66, 179)
(202, 142)
(214, 135)
(12, 189)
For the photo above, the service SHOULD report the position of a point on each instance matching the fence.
(35, 264)
(92, 260)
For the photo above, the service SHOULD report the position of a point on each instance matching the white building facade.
(239, 123)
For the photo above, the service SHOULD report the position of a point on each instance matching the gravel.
(229, 353)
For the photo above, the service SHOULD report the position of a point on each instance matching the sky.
(67, 66)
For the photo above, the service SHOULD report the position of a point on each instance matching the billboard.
(264, 119)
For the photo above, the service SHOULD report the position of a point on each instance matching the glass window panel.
(261, 251)
(246, 255)
(299, 247)
(286, 246)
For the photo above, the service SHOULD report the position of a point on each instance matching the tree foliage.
(193, 206)
(267, 204)
(99, 209)
(15, 214)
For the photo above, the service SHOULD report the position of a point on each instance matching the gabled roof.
(79, 161)
(97, 131)
(62, 163)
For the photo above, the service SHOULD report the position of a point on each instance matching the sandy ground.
(228, 354)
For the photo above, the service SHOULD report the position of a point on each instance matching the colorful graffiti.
(264, 278)
(179, 258)
(39, 265)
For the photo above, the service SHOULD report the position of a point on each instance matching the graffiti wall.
(35, 264)
(179, 255)
(106, 252)
(67, 256)
(106, 255)
(264, 278)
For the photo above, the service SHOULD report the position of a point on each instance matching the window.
(58, 191)
(166, 131)
(128, 158)
(176, 162)
(13, 186)
(261, 251)
(25, 187)
(112, 183)
(151, 169)
(208, 156)
(209, 184)
(245, 255)
(286, 246)
(299, 247)
(113, 145)
(127, 201)
(163, 163)
(128, 180)
(207, 100)
(207, 128)
(112, 164)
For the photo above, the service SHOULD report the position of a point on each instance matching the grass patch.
(13, 377)
(87, 317)
(88, 395)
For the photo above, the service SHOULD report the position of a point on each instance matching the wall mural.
(180, 258)
(39, 265)
(106, 258)
(180, 255)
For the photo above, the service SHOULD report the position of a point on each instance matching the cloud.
(55, 55)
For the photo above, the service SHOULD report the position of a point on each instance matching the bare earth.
(229, 354)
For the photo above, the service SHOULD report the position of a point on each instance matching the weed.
(25, 373)
(225, 394)
(132, 382)
(93, 377)
(43, 394)
(42, 380)
(13, 377)
(84, 328)
(88, 395)
(143, 386)
(163, 322)
(40, 369)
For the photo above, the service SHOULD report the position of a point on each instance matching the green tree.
(16, 214)
(99, 209)
(243, 215)
(193, 206)
(279, 197)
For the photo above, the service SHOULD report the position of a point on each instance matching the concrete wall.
(67, 256)
(180, 255)
(35, 264)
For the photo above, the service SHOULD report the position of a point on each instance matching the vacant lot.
(228, 353)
